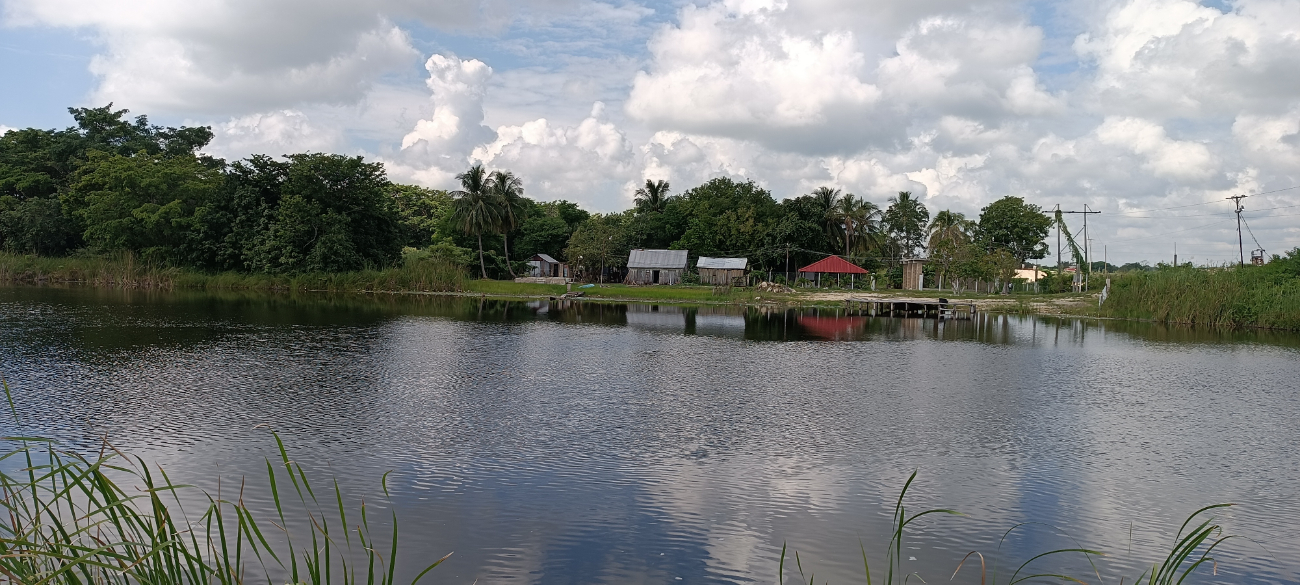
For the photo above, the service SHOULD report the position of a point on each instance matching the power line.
(1168, 233)
(1203, 214)
(1279, 190)
(1201, 203)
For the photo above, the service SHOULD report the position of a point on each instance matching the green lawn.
(686, 293)
(678, 293)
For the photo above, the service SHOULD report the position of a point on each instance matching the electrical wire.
(1252, 234)
(1202, 203)
(1167, 233)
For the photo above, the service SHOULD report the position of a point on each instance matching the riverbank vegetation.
(115, 201)
(111, 185)
(67, 518)
(1265, 296)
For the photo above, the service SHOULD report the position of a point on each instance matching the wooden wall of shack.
(647, 276)
(722, 276)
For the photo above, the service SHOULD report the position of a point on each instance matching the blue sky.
(1122, 105)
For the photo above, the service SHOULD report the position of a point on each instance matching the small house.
(655, 266)
(722, 271)
(544, 266)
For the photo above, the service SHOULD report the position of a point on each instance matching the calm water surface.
(601, 443)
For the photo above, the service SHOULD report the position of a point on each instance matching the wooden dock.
(902, 307)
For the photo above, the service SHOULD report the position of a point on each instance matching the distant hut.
(722, 271)
(831, 265)
(544, 266)
(913, 274)
(655, 266)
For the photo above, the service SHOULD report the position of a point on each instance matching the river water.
(608, 443)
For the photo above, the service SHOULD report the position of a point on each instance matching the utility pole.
(1087, 258)
(1241, 248)
(1058, 242)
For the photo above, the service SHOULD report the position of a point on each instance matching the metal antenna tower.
(1241, 248)
(1087, 259)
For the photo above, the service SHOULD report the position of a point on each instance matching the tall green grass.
(1191, 550)
(110, 519)
(124, 271)
(1251, 296)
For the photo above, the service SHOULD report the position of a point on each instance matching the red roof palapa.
(833, 265)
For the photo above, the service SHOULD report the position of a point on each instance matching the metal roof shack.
(655, 266)
(833, 265)
(722, 263)
(657, 259)
(721, 271)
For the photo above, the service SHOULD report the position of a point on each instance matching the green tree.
(421, 211)
(143, 203)
(950, 232)
(653, 197)
(1018, 227)
(474, 210)
(711, 208)
(548, 227)
(507, 195)
(330, 213)
(599, 243)
(905, 220)
(860, 220)
(37, 165)
(827, 199)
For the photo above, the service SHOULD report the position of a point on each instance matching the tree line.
(112, 184)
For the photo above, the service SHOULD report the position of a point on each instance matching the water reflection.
(551, 442)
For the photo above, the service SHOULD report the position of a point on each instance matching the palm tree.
(827, 199)
(474, 210)
(950, 232)
(906, 219)
(507, 195)
(950, 226)
(861, 219)
(652, 197)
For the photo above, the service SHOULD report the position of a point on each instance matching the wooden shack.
(655, 266)
(544, 266)
(722, 271)
(913, 274)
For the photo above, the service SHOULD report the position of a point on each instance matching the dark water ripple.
(633, 444)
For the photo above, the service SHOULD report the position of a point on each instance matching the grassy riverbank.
(1252, 296)
(124, 271)
(1265, 296)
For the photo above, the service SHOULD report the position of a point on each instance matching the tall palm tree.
(861, 221)
(906, 219)
(507, 194)
(652, 197)
(950, 232)
(828, 199)
(950, 226)
(474, 209)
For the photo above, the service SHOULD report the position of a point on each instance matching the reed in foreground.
(1192, 550)
(70, 519)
